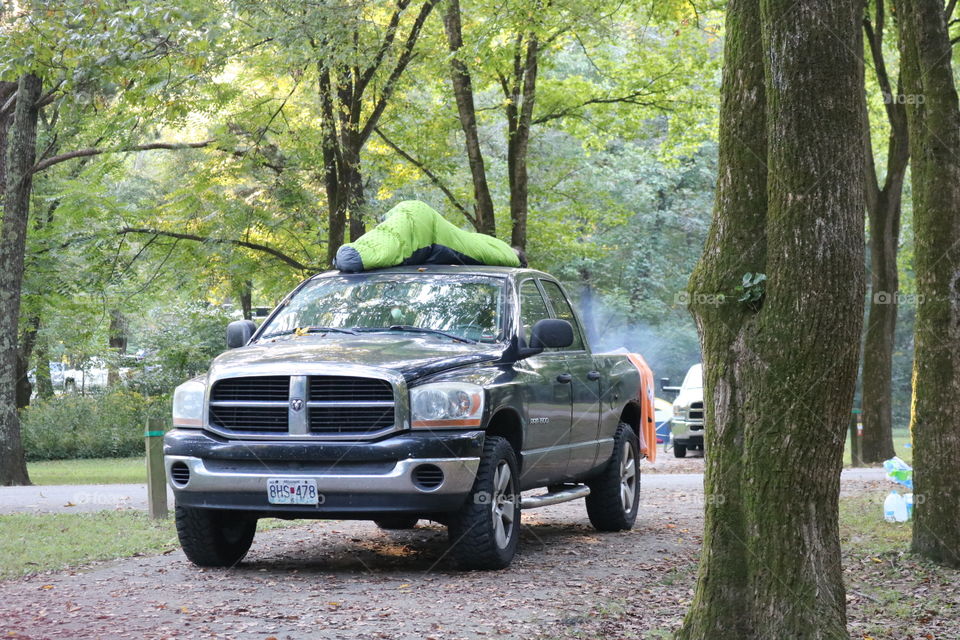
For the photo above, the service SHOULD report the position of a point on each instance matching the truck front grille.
(262, 388)
(330, 406)
(696, 411)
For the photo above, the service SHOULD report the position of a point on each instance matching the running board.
(564, 495)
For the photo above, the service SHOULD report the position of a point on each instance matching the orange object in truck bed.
(648, 425)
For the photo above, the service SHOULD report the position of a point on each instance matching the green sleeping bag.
(413, 233)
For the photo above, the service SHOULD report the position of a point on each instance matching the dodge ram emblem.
(296, 404)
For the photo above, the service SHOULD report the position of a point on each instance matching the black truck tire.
(397, 523)
(615, 494)
(485, 533)
(214, 538)
(679, 450)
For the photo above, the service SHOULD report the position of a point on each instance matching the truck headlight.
(188, 404)
(446, 404)
(678, 411)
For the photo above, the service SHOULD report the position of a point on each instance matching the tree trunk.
(883, 210)
(519, 116)
(350, 195)
(118, 344)
(20, 157)
(463, 92)
(336, 223)
(780, 367)
(245, 294)
(934, 121)
(877, 440)
(24, 354)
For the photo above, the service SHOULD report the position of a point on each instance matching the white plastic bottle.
(900, 512)
(909, 500)
(894, 508)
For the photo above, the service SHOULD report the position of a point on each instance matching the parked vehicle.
(56, 375)
(92, 374)
(687, 422)
(404, 394)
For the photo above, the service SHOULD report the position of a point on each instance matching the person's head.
(522, 255)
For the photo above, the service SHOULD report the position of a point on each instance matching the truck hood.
(410, 355)
(687, 397)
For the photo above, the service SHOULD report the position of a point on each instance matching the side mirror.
(666, 388)
(239, 332)
(551, 333)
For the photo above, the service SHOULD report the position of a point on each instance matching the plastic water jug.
(895, 508)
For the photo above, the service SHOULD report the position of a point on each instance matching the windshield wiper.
(413, 329)
(302, 331)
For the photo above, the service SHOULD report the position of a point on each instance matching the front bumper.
(687, 432)
(354, 479)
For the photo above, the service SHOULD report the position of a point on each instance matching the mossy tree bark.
(934, 120)
(781, 369)
(20, 152)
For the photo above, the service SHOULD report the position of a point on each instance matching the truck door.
(548, 395)
(585, 386)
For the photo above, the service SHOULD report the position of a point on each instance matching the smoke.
(669, 346)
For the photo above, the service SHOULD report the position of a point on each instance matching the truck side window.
(532, 308)
(562, 310)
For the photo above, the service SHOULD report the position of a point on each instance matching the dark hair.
(522, 255)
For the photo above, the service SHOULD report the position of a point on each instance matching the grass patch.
(89, 471)
(863, 529)
(892, 593)
(31, 543)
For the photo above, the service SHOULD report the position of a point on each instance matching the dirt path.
(351, 580)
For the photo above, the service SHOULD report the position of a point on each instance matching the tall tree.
(20, 152)
(360, 52)
(883, 211)
(519, 67)
(934, 120)
(780, 362)
(483, 214)
(82, 52)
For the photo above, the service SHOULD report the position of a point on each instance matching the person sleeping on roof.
(414, 233)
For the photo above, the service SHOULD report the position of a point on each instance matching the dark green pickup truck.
(401, 394)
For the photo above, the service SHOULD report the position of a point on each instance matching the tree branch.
(432, 176)
(93, 151)
(631, 98)
(384, 46)
(406, 54)
(237, 243)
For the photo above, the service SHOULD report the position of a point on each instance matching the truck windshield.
(469, 307)
(694, 378)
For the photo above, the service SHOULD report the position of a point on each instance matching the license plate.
(285, 491)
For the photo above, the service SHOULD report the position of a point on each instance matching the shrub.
(107, 425)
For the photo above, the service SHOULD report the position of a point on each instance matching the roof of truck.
(502, 272)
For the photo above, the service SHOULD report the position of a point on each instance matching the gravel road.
(340, 579)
